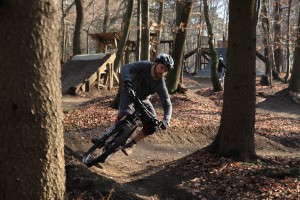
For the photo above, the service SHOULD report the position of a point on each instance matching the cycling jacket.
(139, 73)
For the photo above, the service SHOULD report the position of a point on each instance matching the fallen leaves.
(217, 176)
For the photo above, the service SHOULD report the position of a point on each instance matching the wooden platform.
(82, 71)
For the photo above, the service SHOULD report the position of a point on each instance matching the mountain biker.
(144, 78)
(221, 68)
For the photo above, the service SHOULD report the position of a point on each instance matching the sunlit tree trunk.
(32, 144)
(173, 78)
(295, 78)
(236, 133)
(77, 44)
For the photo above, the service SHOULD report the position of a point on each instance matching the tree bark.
(295, 78)
(173, 78)
(235, 137)
(145, 37)
(32, 143)
(77, 44)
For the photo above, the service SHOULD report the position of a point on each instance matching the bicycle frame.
(128, 123)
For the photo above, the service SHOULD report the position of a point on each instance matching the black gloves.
(163, 124)
(128, 87)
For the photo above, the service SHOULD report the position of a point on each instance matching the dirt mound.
(154, 170)
(272, 100)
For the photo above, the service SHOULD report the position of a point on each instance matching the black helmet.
(165, 59)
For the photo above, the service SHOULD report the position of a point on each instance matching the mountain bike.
(118, 135)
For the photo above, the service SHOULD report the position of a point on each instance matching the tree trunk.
(77, 45)
(89, 26)
(236, 133)
(138, 31)
(121, 48)
(145, 37)
(160, 23)
(32, 142)
(63, 34)
(173, 78)
(295, 78)
(125, 34)
(266, 43)
(106, 16)
(214, 55)
(278, 55)
(288, 69)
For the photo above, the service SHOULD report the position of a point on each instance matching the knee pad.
(149, 129)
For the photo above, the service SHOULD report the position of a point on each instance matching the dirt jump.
(170, 165)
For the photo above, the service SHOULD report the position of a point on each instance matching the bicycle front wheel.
(103, 149)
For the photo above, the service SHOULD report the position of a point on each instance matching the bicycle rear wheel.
(103, 149)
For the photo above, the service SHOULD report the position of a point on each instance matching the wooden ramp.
(82, 71)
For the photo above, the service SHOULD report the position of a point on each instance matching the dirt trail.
(146, 174)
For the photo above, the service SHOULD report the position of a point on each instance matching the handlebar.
(142, 108)
(141, 105)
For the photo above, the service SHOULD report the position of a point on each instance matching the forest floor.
(170, 165)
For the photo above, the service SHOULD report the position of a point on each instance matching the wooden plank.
(97, 74)
(98, 79)
(103, 86)
(116, 77)
(111, 76)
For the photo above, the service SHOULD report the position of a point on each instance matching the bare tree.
(32, 145)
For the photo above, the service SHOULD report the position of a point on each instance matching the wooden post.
(111, 77)
(98, 79)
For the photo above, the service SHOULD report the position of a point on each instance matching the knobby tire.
(120, 136)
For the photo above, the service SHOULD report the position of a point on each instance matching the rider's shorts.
(126, 107)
